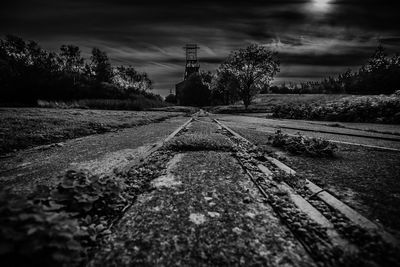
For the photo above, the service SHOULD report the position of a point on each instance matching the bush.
(301, 144)
(83, 194)
(33, 235)
(56, 227)
(381, 109)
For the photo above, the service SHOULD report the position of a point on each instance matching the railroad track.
(330, 231)
(331, 225)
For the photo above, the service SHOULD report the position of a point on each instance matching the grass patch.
(138, 103)
(21, 128)
(265, 103)
(199, 142)
(300, 144)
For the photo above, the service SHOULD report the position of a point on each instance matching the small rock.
(212, 204)
(213, 214)
(197, 218)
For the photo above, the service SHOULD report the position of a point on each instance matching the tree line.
(249, 71)
(379, 75)
(29, 72)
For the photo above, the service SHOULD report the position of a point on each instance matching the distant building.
(192, 66)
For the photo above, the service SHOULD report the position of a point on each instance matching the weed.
(382, 109)
(301, 144)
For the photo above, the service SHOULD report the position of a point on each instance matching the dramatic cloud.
(314, 38)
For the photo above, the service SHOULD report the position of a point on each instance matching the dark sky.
(313, 38)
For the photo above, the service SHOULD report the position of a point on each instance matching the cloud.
(150, 34)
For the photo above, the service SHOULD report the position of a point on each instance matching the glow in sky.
(321, 5)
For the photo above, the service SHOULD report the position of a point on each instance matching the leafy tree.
(206, 78)
(381, 74)
(225, 88)
(70, 61)
(129, 78)
(101, 66)
(29, 73)
(253, 67)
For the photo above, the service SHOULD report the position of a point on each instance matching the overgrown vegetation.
(300, 144)
(63, 225)
(379, 75)
(56, 227)
(29, 73)
(382, 109)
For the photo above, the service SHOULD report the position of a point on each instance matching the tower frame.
(192, 64)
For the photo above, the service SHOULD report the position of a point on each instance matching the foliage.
(383, 109)
(225, 88)
(100, 66)
(379, 75)
(33, 235)
(82, 194)
(301, 144)
(55, 227)
(253, 67)
(130, 79)
(29, 73)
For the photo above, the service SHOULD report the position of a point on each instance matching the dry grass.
(26, 127)
(266, 102)
(141, 103)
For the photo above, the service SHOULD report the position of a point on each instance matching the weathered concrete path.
(203, 212)
(99, 153)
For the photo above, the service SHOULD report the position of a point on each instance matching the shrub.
(301, 144)
(56, 227)
(33, 235)
(84, 194)
(382, 109)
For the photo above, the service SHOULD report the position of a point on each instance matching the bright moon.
(321, 5)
